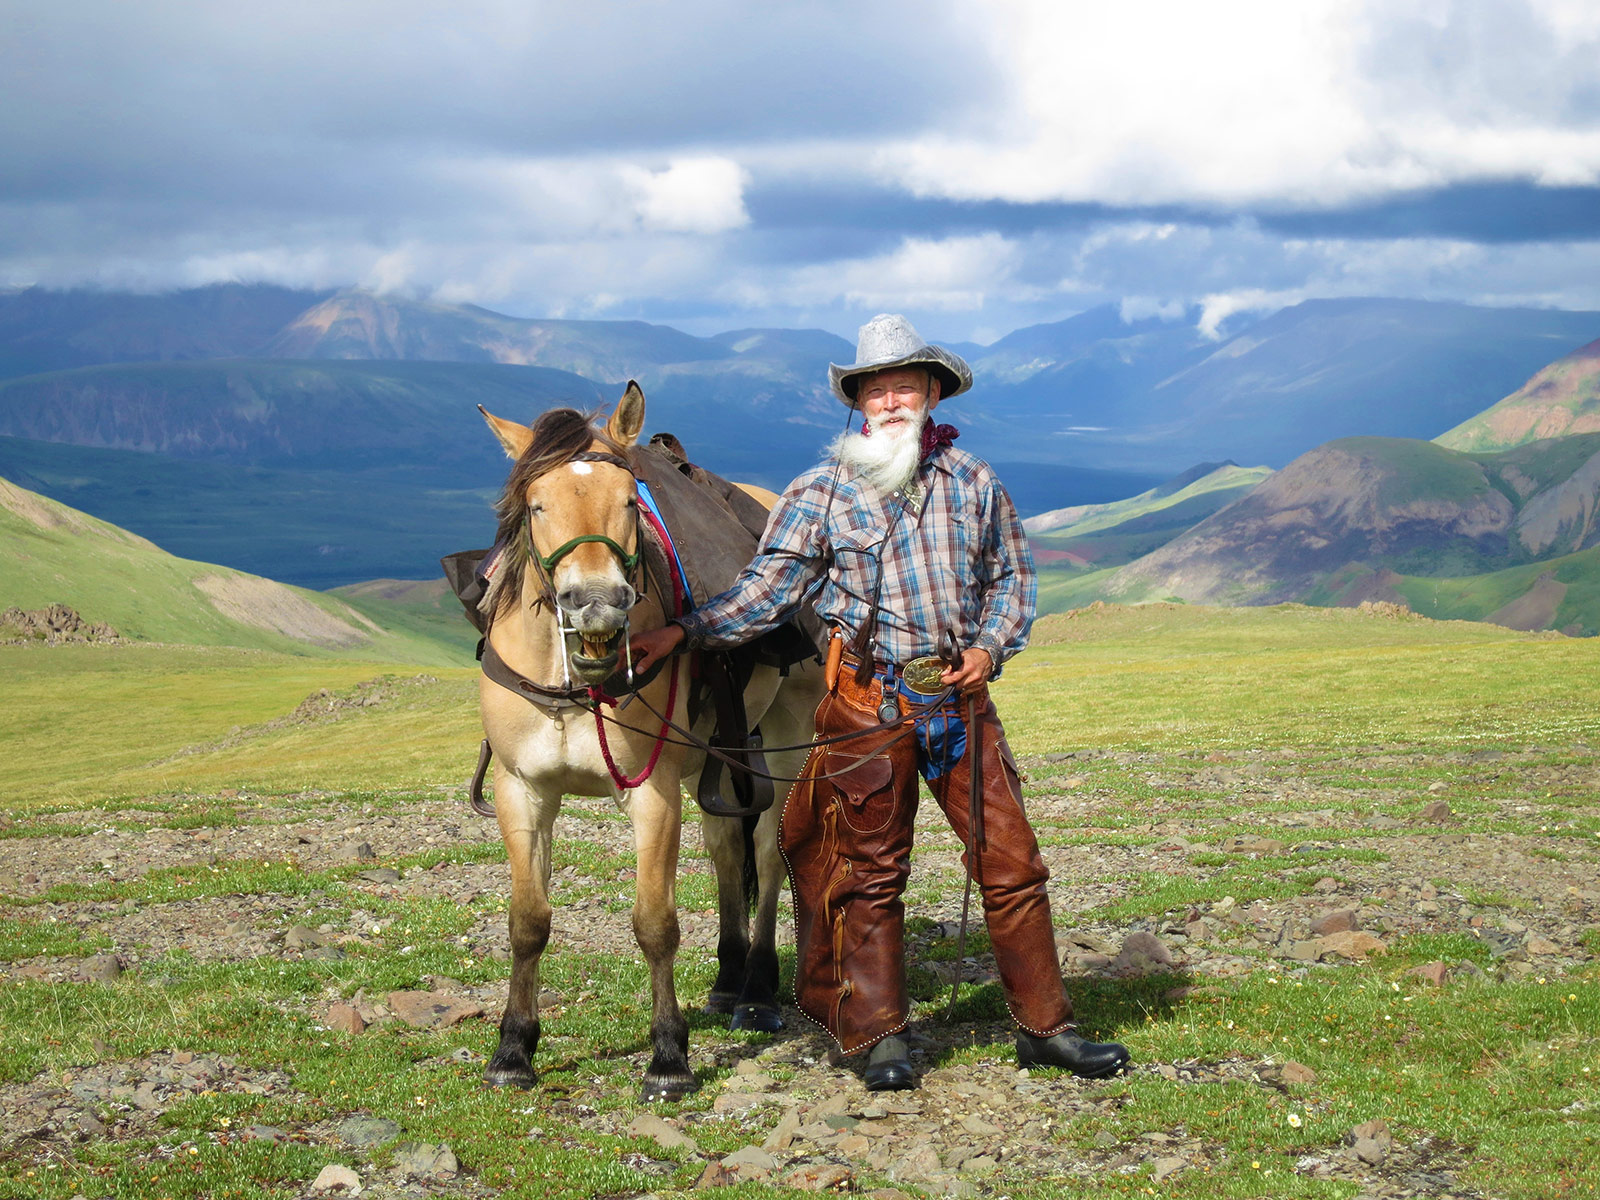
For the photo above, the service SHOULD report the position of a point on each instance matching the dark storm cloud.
(124, 97)
(981, 165)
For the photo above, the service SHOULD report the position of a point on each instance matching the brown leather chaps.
(847, 842)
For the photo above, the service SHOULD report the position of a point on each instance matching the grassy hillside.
(1392, 519)
(1107, 535)
(427, 609)
(1561, 399)
(1206, 678)
(50, 554)
(147, 719)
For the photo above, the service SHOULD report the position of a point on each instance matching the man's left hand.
(973, 673)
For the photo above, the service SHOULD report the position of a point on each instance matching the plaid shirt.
(960, 562)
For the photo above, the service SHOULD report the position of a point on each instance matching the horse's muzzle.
(593, 641)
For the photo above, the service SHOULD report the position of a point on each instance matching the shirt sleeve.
(788, 567)
(1007, 581)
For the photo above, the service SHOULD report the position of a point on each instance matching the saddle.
(715, 529)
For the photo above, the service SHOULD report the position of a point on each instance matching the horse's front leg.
(526, 823)
(657, 819)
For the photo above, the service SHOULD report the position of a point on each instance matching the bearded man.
(897, 537)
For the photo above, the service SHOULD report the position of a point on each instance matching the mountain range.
(1488, 522)
(328, 437)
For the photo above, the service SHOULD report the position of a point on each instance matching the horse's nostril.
(626, 597)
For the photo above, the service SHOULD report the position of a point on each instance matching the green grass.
(1192, 678)
(1216, 721)
(131, 710)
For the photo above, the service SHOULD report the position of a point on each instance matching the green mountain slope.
(424, 608)
(1560, 593)
(53, 554)
(1092, 536)
(1563, 398)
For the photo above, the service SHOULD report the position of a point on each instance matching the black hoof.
(509, 1075)
(889, 1067)
(762, 1018)
(721, 1003)
(659, 1089)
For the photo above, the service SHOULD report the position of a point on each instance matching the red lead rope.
(599, 697)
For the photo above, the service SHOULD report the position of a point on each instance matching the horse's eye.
(633, 502)
(536, 509)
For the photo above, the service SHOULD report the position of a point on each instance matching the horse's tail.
(752, 877)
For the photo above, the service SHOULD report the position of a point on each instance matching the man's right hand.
(654, 644)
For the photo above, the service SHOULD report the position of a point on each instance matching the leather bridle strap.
(976, 841)
(499, 671)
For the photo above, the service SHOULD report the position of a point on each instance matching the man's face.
(893, 397)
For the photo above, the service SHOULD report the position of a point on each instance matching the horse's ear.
(628, 419)
(515, 438)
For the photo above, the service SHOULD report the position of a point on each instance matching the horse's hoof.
(721, 1003)
(659, 1089)
(509, 1076)
(761, 1018)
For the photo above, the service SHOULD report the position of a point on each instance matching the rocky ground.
(54, 626)
(1504, 875)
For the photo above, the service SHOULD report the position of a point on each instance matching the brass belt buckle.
(922, 675)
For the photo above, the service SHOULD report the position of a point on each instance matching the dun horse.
(572, 580)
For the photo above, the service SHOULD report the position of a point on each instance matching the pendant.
(888, 710)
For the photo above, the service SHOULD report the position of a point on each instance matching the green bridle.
(549, 561)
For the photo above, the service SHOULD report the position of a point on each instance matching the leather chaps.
(847, 842)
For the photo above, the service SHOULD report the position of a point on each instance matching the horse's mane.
(559, 435)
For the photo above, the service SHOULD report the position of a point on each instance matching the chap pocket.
(866, 792)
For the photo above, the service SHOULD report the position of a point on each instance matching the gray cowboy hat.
(887, 341)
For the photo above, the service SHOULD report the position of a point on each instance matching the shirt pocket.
(857, 553)
(858, 538)
(951, 544)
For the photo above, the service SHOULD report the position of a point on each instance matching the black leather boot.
(889, 1067)
(1092, 1060)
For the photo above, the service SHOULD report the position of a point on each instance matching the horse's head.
(570, 516)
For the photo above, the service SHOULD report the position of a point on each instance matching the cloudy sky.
(716, 164)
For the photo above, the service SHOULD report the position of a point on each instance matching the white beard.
(888, 459)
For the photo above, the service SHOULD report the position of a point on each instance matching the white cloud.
(693, 195)
(950, 274)
(1310, 103)
(1219, 306)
